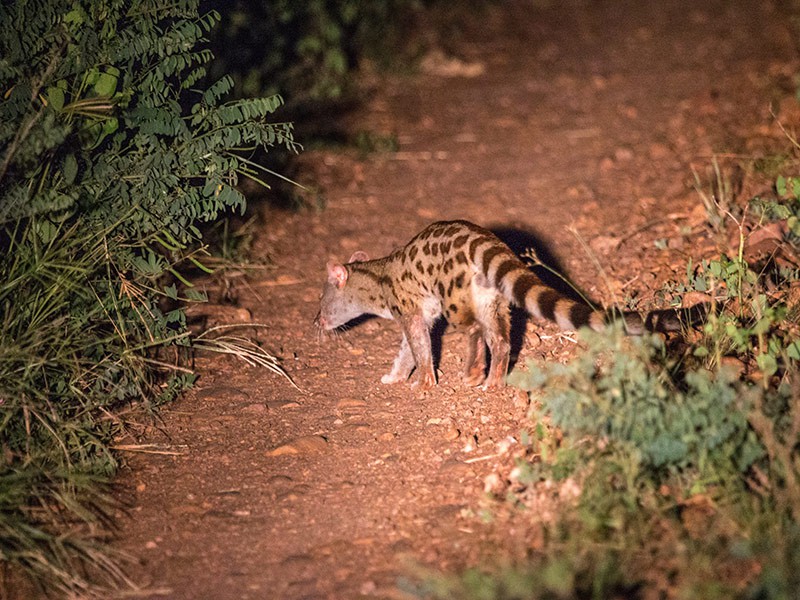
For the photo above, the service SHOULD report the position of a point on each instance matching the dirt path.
(585, 115)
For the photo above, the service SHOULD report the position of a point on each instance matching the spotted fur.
(463, 272)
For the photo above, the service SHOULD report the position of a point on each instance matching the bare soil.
(573, 127)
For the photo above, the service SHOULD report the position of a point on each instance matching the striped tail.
(523, 288)
(505, 272)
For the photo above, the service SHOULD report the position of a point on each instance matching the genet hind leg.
(500, 349)
(496, 333)
(403, 364)
(474, 373)
(492, 314)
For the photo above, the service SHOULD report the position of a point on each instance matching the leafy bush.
(629, 393)
(105, 121)
(313, 45)
(111, 158)
(687, 479)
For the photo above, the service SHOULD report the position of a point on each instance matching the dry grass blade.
(146, 449)
(241, 347)
(144, 593)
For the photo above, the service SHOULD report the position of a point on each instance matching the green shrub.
(111, 159)
(688, 483)
(649, 430)
(305, 50)
(630, 394)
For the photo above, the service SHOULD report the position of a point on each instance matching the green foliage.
(51, 522)
(106, 121)
(652, 418)
(74, 346)
(788, 188)
(753, 320)
(111, 158)
(306, 50)
(688, 483)
(75, 343)
(566, 572)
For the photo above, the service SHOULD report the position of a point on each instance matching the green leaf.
(110, 126)
(106, 83)
(780, 185)
(795, 186)
(75, 17)
(55, 96)
(176, 316)
(69, 169)
(793, 223)
(47, 231)
(171, 291)
(700, 284)
(196, 295)
(762, 326)
(767, 363)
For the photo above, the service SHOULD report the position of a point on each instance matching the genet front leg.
(417, 332)
(403, 364)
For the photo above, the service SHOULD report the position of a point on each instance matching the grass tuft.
(65, 366)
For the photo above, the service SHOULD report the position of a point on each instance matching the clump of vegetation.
(313, 46)
(111, 158)
(684, 455)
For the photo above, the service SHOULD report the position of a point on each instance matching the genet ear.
(337, 275)
(359, 256)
